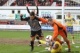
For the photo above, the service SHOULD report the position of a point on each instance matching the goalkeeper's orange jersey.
(59, 29)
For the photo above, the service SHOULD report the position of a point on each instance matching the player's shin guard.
(32, 45)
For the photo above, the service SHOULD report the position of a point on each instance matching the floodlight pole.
(63, 1)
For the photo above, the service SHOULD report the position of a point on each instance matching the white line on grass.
(77, 46)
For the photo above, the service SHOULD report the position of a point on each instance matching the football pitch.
(18, 42)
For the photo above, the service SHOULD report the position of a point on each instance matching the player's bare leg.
(73, 39)
(64, 35)
(68, 43)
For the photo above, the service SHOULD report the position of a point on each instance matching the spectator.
(1, 2)
(40, 2)
(13, 4)
(47, 3)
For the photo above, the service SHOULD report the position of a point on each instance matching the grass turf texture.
(15, 48)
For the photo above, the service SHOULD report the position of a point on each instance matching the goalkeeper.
(59, 29)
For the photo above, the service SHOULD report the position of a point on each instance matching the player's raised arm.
(37, 13)
(27, 9)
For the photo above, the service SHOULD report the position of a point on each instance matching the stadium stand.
(2, 2)
(72, 3)
(39, 2)
(32, 3)
(12, 22)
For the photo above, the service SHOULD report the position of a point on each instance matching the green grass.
(15, 34)
(15, 48)
(18, 34)
(7, 48)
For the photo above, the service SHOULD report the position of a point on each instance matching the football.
(48, 38)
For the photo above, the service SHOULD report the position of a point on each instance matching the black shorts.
(34, 33)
